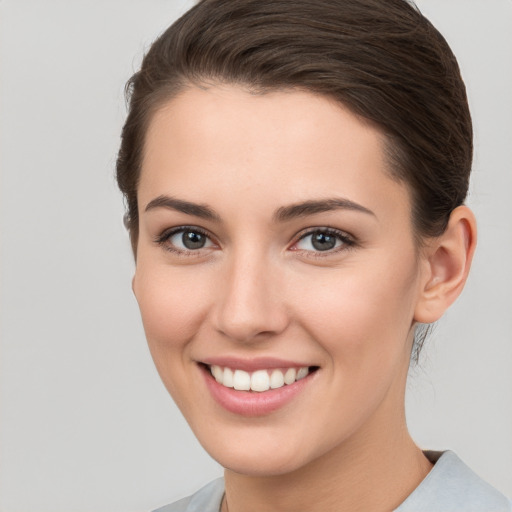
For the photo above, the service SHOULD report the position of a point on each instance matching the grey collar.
(449, 487)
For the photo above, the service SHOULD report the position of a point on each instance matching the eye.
(185, 239)
(323, 240)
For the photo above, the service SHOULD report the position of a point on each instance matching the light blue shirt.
(449, 487)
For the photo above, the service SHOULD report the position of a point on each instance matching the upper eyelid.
(348, 241)
(325, 229)
(177, 229)
(162, 240)
(167, 233)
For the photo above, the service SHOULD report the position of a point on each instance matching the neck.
(375, 471)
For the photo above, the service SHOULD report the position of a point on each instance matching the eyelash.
(165, 236)
(347, 241)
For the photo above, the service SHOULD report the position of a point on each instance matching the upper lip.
(253, 364)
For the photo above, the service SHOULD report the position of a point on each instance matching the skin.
(258, 289)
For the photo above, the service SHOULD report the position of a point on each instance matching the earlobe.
(447, 262)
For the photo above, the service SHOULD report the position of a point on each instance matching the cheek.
(173, 305)
(362, 315)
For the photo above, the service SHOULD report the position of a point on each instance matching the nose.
(250, 304)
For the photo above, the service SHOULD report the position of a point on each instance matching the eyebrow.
(197, 210)
(282, 214)
(286, 213)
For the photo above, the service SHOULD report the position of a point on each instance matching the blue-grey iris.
(193, 240)
(323, 241)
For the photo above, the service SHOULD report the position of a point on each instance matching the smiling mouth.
(259, 380)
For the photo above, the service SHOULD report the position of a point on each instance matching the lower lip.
(253, 403)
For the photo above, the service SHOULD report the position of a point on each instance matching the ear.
(447, 260)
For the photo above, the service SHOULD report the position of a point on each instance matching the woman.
(295, 174)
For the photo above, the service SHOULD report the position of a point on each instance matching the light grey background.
(85, 423)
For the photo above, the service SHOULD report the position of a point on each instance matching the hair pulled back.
(383, 60)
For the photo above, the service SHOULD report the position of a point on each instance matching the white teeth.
(228, 378)
(276, 379)
(217, 373)
(260, 380)
(289, 376)
(241, 380)
(303, 372)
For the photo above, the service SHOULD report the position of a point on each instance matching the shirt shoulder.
(451, 486)
(207, 499)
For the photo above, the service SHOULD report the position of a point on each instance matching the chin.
(260, 465)
(262, 456)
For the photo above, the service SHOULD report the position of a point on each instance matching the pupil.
(323, 241)
(193, 240)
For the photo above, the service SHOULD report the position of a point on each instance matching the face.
(276, 253)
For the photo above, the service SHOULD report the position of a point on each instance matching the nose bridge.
(251, 303)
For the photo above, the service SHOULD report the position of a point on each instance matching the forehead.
(283, 146)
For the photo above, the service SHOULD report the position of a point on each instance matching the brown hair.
(382, 59)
